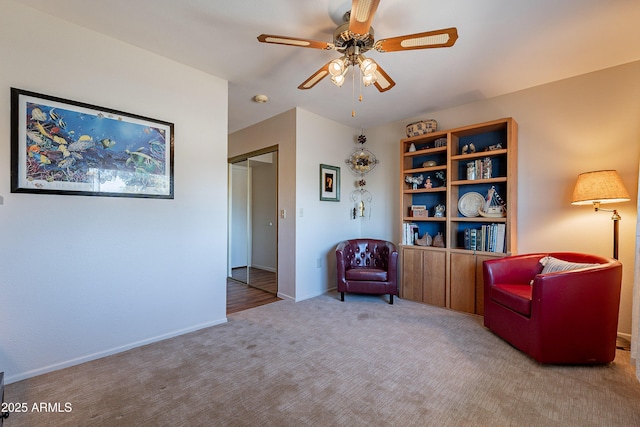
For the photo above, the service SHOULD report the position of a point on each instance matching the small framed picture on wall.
(329, 183)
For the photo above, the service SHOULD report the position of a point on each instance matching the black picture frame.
(59, 146)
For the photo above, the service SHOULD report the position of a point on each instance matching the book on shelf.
(487, 238)
(500, 237)
(409, 233)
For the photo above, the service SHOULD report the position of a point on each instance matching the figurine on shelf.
(468, 148)
(439, 211)
(494, 206)
(425, 240)
(438, 241)
(415, 181)
(428, 183)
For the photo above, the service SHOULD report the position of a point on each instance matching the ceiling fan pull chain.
(359, 82)
(353, 93)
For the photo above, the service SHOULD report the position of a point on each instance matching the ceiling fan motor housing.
(343, 38)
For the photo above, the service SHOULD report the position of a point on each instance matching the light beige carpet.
(323, 362)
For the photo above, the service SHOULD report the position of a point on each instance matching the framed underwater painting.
(60, 146)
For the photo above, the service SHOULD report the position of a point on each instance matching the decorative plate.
(470, 203)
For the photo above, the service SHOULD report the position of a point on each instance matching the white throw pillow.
(551, 264)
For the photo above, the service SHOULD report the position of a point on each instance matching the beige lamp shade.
(599, 187)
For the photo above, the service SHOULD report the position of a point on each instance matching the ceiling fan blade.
(315, 77)
(294, 41)
(362, 12)
(430, 39)
(383, 82)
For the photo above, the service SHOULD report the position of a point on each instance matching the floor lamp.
(600, 187)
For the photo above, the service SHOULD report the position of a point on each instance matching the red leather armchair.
(563, 317)
(367, 266)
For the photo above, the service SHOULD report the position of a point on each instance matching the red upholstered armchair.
(367, 266)
(561, 317)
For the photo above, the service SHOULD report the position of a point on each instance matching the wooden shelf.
(424, 218)
(428, 169)
(477, 155)
(480, 219)
(426, 190)
(479, 181)
(426, 151)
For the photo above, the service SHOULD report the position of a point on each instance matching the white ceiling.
(503, 46)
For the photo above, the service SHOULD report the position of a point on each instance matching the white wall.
(279, 130)
(585, 123)
(320, 225)
(384, 182)
(83, 277)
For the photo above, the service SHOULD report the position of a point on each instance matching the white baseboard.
(624, 336)
(285, 296)
(108, 352)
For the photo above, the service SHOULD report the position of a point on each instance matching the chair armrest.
(392, 262)
(341, 261)
(583, 293)
(517, 269)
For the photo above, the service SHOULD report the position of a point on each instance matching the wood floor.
(241, 296)
(258, 278)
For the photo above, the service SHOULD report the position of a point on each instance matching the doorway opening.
(253, 220)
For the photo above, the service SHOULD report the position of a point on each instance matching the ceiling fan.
(354, 38)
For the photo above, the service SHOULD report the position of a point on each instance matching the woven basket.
(422, 127)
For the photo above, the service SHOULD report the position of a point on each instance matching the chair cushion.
(368, 274)
(552, 265)
(514, 297)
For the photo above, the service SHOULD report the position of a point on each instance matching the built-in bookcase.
(461, 165)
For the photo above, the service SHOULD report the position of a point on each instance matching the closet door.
(253, 215)
(239, 232)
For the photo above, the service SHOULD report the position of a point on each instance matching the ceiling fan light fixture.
(338, 80)
(367, 65)
(370, 79)
(337, 67)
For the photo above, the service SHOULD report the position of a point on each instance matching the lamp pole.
(616, 218)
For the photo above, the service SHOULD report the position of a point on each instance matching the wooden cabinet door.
(434, 266)
(411, 286)
(463, 282)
